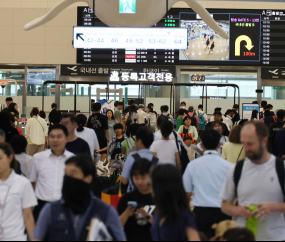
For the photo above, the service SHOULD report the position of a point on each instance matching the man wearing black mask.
(69, 219)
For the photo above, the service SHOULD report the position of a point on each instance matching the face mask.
(76, 194)
(183, 107)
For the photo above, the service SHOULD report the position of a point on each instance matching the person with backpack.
(144, 139)
(129, 143)
(206, 175)
(258, 180)
(278, 143)
(188, 130)
(276, 127)
(194, 117)
(164, 112)
(202, 116)
(165, 149)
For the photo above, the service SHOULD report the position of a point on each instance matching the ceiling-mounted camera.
(3, 83)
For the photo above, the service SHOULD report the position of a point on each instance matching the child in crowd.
(190, 148)
(115, 146)
(136, 209)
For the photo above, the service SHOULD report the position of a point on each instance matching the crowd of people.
(186, 179)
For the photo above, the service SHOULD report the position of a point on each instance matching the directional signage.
(273, 73)
(129, 38)
(128, 6)
(245, 37)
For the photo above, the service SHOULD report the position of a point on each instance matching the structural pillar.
(177, 93)
(259, 85)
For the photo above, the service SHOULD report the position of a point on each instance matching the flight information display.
(256, 39)
(121, 38)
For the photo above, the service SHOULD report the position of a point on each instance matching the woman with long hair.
(14, 110)
(151, 117)
(173, 220)
(111, 122)
(254, 115)
(132, 116)
(87, 134)
(17, 199)
(233, 150)
(166, 149)
(6, 125)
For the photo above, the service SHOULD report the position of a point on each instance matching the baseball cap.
(141, 106)
(222, 228)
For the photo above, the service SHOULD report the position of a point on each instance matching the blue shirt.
(207, 175)
(129, 164)
(173, 231)
(112, 222)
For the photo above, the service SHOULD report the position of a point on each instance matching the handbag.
(113, 195)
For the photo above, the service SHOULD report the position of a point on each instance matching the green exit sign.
(128, 6)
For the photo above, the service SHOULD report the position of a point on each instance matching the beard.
(255, 155)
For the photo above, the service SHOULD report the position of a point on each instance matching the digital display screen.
(256, 39)
(122, 38)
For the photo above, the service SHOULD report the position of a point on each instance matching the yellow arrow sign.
(241, 38)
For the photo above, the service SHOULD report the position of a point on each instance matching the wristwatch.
(148, 217)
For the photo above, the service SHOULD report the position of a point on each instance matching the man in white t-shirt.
(142, 115)
(258, 184)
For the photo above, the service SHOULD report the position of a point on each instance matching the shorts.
(103, 143)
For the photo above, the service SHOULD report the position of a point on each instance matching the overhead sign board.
(273, 73)
(122, 73)
(129, 38)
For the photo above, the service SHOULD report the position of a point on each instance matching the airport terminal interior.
(143, 120)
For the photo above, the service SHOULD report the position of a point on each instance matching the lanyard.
(2, 207)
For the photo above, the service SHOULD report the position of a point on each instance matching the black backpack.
(280, 169)
(154, 160)
(271, 141)
(184, 154)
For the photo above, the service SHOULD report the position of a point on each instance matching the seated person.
(136, 208)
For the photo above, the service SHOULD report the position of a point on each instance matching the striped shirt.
(259, 184)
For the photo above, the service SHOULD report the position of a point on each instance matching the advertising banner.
(106, 105)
